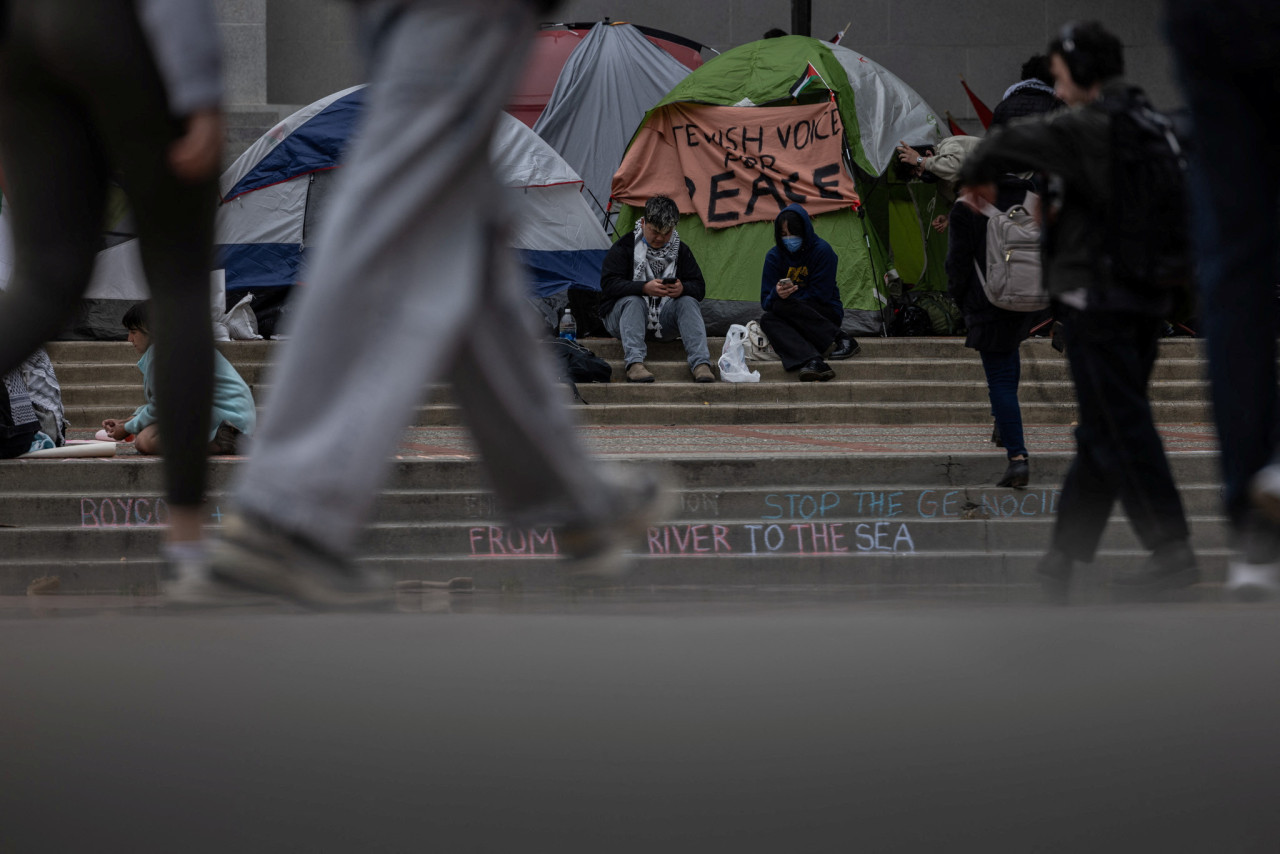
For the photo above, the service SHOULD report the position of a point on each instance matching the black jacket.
(616, 274)
(991, 329)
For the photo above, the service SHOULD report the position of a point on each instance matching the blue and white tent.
(273, 193)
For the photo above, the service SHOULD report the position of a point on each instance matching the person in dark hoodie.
(802, 307)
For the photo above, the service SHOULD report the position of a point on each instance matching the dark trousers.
(1118, 451)
(800, 331)
(1003, 371)
(1230, 74)
(81, 100)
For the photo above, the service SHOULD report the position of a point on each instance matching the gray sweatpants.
(411, 282)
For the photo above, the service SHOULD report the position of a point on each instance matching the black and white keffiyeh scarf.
(650, 263)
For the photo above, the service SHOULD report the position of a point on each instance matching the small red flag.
(955, 128)
(984, 114)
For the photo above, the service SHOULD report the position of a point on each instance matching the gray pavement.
(640, 722)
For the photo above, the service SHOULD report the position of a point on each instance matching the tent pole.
(800, 17)
(875, 274)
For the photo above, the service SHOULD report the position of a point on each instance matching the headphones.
(1079, 63)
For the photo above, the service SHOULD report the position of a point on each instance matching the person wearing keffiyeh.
(650, 286)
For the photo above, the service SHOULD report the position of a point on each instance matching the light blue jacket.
(232, 400)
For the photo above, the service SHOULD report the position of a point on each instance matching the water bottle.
(568, 326)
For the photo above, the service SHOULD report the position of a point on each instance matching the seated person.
(18, 421)
(802, 307)
(650, 283)
(234, 413)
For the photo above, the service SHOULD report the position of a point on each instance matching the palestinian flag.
(810, 74)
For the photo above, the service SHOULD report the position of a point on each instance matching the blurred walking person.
(1228, 63)
(130, 91)
(411, 281)
(1111, 325)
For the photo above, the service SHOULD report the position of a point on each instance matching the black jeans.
(81, 101)
(800, 331)
(1118, 451)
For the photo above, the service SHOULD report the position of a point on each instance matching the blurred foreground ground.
(640, 721)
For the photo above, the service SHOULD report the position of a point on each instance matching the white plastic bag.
(757, 347)
(733, 361)
(218, 304)
(241, 322)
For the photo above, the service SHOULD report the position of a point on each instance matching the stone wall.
(294, 51)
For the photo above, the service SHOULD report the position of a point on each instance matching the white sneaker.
(1264, 489)
(1252, 582)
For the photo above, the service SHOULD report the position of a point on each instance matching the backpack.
(578, 364)
(1013, 278)
(1148, 237)
(944, 315)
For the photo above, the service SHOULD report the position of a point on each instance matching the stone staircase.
(875, 520)
(892, 381)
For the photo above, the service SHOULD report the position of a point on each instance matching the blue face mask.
(792, 243)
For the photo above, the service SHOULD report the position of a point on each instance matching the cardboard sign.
(731, 165)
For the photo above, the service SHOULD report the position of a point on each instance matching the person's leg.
(396, 270)
(682, 317)
(787, 325)
(148, 440)
(56, 176)
(1114, 356)
(1003, 371)
(626, 322)
(1229, 76)
(538, 467)
(1087, 492)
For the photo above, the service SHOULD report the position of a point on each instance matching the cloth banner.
(732, 165)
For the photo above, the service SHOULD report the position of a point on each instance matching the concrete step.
(904, 535)
(77, 380)
(799, 472)
(611, 348)
(736, 394)
(869, 574)
(142, 509)
(816, 412)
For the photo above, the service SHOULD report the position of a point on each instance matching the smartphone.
(668, 281)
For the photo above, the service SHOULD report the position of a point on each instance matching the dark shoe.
(225, 440)
(1017, 475)
(996, 438)
(1054, 570)
(1171, 565)
(816, 370)
(845, 347)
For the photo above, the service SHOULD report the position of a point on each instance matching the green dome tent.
(777, 121)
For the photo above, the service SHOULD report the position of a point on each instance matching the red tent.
(551, 50)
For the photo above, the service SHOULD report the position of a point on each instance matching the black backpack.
(577, 364)
(1148, 240)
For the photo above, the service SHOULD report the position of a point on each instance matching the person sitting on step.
(802, 306)
(650, 284)
(234, 413)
